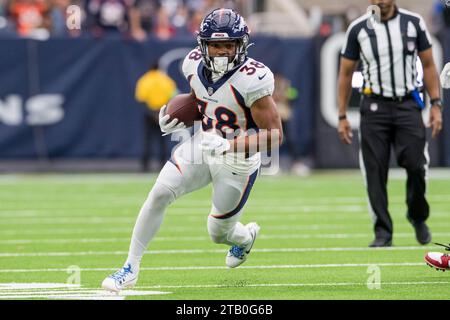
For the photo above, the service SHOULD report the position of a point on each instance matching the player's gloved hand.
(445, 76)
(214, 144)
(169, 127)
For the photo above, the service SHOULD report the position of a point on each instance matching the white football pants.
(186, 172)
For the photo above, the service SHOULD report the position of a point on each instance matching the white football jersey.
(225, 104)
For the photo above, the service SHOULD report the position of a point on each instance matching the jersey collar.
(212, 87)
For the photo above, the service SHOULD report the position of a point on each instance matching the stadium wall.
(74, 98)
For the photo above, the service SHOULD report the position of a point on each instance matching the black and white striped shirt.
(388, 51)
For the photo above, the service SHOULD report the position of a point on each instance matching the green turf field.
(312, 244)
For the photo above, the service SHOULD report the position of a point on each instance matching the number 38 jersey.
(225, 103)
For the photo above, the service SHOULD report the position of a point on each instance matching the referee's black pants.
(398, 124)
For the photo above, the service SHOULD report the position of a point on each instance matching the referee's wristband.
(342, 117)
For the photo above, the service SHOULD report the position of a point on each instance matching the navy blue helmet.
(224, 25)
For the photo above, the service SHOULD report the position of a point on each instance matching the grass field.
(312, 244)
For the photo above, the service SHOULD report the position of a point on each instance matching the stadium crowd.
(140, 19)
(137, 19)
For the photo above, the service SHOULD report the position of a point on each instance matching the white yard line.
(195, 268)
(199, 207)
(329, 284)
(202, 251)
(189, 238)
(341, 221)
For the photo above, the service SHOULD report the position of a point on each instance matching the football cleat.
(440, 261)
(121, 279)
(238, 254)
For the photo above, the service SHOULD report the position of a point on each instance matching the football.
(185, 108)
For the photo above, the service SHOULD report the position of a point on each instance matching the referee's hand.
(345, 131)
(435, 120)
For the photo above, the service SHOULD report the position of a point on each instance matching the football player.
(234, 94)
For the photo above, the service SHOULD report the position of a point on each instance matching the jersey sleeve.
(423, 36)
(351, 46)
(190, 63)
(261, 85)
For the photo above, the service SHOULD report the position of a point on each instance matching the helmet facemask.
(223, 64)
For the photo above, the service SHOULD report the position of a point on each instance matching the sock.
(239, 235)
(228, 231)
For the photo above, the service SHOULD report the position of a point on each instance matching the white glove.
(170, 127)
(214, 144)
(445, 76)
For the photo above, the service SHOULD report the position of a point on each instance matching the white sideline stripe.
(296, 266)
(205, 238)
(67, 296)
(44, 292)
(64, 291)
(199, 251)
(330, 284)
(78, 294)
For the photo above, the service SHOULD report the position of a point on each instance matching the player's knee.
(160, 196)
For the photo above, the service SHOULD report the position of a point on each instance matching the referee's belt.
(407, 96)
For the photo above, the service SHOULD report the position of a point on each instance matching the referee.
(387, 42)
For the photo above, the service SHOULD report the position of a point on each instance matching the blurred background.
(69, 73)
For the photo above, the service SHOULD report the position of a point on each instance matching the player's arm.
(265, 114)
(346, 69)
(431, 80)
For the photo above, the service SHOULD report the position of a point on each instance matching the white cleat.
(121, 279)
(237, 255)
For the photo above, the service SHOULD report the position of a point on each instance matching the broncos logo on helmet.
(223, 25)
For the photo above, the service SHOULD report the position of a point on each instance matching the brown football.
(185, 108)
